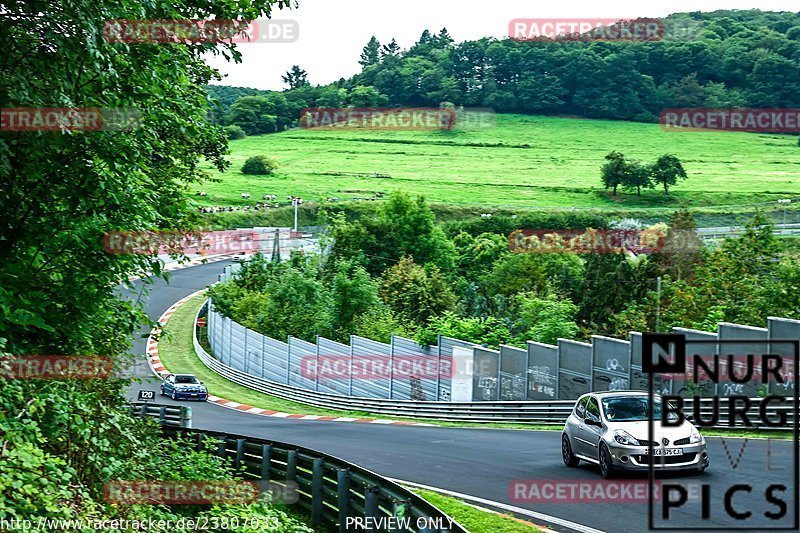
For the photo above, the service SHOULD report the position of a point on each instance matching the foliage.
(489, 331)
(259, 164)
(414, 292)
(62, 191)
(545, 319)
(667, 170)
(235, 132)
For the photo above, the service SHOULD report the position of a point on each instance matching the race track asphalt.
(485, 462)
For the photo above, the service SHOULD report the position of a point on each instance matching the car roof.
(607, 394)
(184, 375)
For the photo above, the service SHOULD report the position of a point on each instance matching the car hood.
(639, 430)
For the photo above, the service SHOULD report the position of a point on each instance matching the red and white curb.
(160, 370)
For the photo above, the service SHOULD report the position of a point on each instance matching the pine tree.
(371, 54)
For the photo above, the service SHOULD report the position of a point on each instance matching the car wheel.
(566, 452)
(606, 466)
(173, 396)
(162, 391)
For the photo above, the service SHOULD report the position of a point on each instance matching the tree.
(371, 55)
(259, 165)
(60, 293)
(489, 331)
(545, 319)
(414, 293)
(353, 293)
(235, 132)
(635, 176)
(667, 170)
(613, 171)
(390, 50)
(254, 114)
(295, 78)
(363, 96)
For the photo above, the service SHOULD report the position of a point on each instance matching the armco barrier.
(329, 490)
(510, 412)
(542, 372)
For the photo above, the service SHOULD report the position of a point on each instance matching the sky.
(332, 33)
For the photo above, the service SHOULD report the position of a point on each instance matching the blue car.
(184, 387)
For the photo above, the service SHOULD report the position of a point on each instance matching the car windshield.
(631, 409)
(186, 379)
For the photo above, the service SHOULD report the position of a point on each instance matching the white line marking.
(281, 415)
(344, 419)
(516, 510)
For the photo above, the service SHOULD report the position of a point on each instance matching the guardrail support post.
(162, 414)
(186, 417)
(343, 498)
(237, 462)
(291, 466)
(221, 449)
(371, 503)
(144, 410)
(266, 459)
(317, 471)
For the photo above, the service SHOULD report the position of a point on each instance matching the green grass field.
(524, 161)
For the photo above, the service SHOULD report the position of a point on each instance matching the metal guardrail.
(523, 412)
(168, 415)
(329, 489)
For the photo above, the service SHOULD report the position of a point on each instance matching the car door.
(579, 442)
(592, 432)
(169, 384)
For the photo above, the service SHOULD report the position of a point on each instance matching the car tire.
(606, 465)
(174, 396)
(566, 452)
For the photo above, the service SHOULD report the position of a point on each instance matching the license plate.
(194, 395)
(665, 451)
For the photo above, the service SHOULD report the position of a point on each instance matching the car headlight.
(623, 437)
(695, 437)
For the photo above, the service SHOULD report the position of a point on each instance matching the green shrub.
(235, 132)
(259, 164)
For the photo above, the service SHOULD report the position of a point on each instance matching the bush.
(259, 164)
(235, 132)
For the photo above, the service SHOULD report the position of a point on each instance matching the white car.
(610, 429)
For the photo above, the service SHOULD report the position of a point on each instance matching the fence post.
(291, 466)
(350, 367)
(288, 358)
(316, 371)
(246, 353)
(221, 449)
(237, 462)
(343, 497)
(162, 414)
(439, 374)
(317, 472)
(371, 503)
(186, 417)
(266, 458)
(391, 367)
(263, 353)
(230, 341)
(144, 410)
